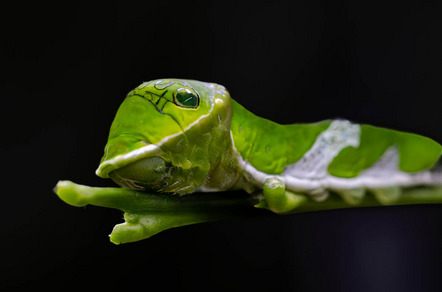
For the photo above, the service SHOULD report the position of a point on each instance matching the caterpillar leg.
(351, 196)
(384, 195)
(387, 195)
(277, 199)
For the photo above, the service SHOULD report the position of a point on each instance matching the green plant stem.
(147, 213)
(424, 195)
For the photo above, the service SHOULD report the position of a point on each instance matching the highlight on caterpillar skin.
(172, 138)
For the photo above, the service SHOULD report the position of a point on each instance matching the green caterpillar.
(184, 136)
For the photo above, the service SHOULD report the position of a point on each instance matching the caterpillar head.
(167, 135)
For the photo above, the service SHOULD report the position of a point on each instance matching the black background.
(66, 68)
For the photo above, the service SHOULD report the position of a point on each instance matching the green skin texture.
(288, 143)
(194, 148)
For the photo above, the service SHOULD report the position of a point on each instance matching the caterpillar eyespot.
(184, 97)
